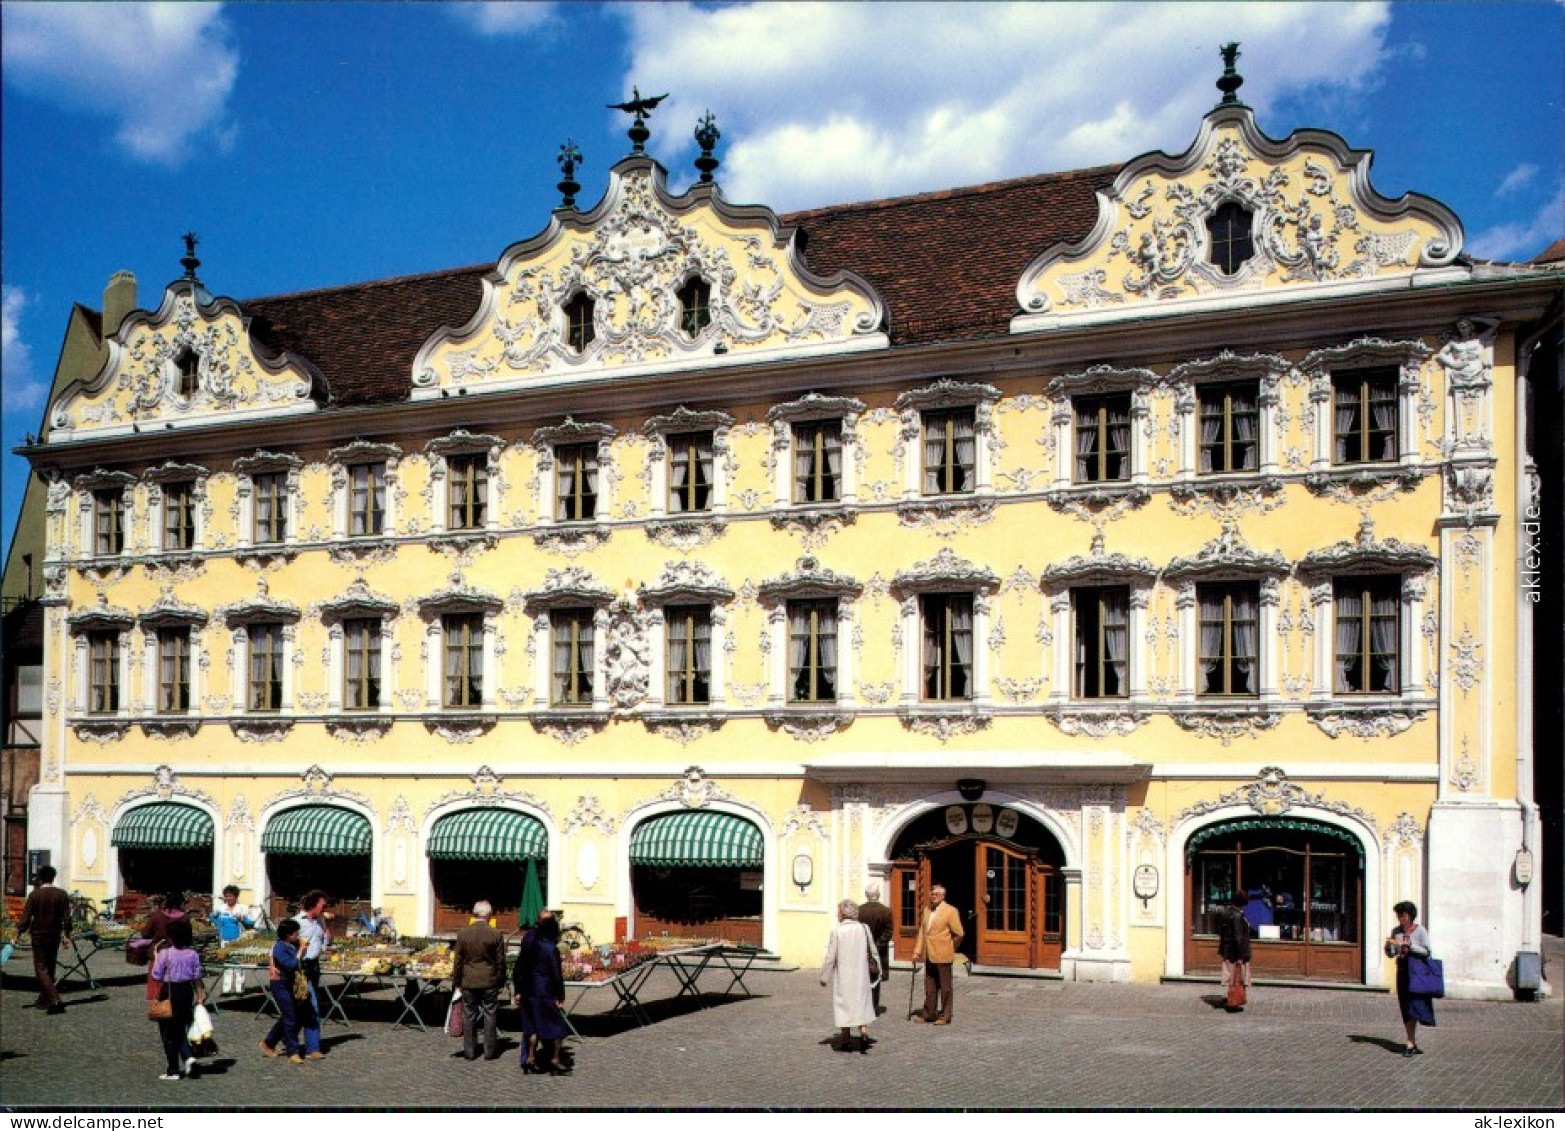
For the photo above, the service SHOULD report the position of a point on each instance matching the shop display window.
(1299, 880)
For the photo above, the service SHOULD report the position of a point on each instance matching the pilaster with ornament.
(588, 835)
(90, 833)
(804, 833)
(1403, 841)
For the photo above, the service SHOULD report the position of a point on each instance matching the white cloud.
(828, 102)
(504, 17)
(1518, 178)
(23, 389)
(1522, 239)
(163, 72)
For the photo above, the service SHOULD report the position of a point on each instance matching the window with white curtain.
(572, 668)
(817, 462)
(271, 507)
(1364, 416)
(1102, 641)
(366, 499)
(689, 636)
(173, 670)
(361, 669)
(179, 515)
(690, 472)
(812, 651)
(103, 678)
(266, 667)
(464, 653)
(575, 482)
(948, 645)
(1229, 659)
(950, 451)
(1368, 637)
(1230, 427)
(1102, 438)
(468, 491)
(108, 522)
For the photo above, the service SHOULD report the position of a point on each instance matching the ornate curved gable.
(140, 386)
(630, 256)
(1314, 221)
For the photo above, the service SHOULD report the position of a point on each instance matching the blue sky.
(312, 145)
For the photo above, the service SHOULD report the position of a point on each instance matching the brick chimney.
(119, 299)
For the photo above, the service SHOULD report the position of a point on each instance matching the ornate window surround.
(682, 420)
(99, 618)
(456, 599)
(1098, 568)
(808, 581)
(1266, 370)
(440, 450)
(1319, 366)
(1227, 558)
(343, 461)
(947, 394)
(87, 488)
(1367, 556)
(247, 468)
(545, 441)
(809, 409)
(1099, 380)
(166, 613)
(240, 617)
(684, 583)
(944, 573)
(570, 588)
(357, 602)
(158, 480)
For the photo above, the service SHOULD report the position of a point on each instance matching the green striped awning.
(488, 834)
(1271, 824)
(163, 825)
(317, 830)
(697, 839)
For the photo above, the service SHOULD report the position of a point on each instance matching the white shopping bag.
(200, 1024)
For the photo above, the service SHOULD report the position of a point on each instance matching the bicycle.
(573, 936)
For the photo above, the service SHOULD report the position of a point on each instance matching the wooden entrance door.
(909, 896)
(1048, 915)
(1004, 886)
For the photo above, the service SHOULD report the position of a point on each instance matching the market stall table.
(688, 966)
(626, 986)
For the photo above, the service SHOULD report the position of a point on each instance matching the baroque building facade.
(1102, 545)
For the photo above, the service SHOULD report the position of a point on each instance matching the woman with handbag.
(1409, 945)
(1233, 947)
(177, 970)
(288, 985)
(851, 968)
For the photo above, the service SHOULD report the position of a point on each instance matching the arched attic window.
(579, 330)
(187, 368)
(695, 306)
(1232, 243)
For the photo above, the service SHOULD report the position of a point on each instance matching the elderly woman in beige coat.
(851, 969)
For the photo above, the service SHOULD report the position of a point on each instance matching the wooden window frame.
(467, 491)
(700, 474)
(582, 502)
(822, 438)
(366, 688)
(1367, 588)
(1361, 384)
(579, 311)
(1091, 659)
(103, 673)
(173, 658)
(366, 499)
(950, 465)
(1229, 252)
(1228, 443)
(1227, 658)
(272, 487)
(179, 516)
(572, 687)
(936, 617)
(820, 678)
(264, 694)
(695, 306)
(1098, 462)
(108, 522)
(462, 634)
(691, 686)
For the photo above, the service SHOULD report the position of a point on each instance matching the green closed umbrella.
(532, 896)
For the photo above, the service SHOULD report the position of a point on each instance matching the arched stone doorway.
(1002, 871)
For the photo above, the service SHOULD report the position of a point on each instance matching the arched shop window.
(486, 854)
(1302, 884)
(699, 875)
(164, 847)
(318, 846)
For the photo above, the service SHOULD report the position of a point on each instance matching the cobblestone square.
(1015, 1043)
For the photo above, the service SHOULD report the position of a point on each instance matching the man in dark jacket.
(877, 917)
(47, 916)
(478, 972)
(1233, 947)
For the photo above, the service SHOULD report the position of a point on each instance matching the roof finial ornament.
(1231, 81)
(569, 158)
(640, 107)
(707, 134)
(190, 262)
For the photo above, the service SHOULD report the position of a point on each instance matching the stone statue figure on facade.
(626, 656)
(1463, 356)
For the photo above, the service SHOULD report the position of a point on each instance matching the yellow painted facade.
(1338, 281)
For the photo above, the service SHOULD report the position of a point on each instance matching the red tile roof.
(945, 263)
(1551, 254)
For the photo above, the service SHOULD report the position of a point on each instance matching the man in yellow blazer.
(939, 935)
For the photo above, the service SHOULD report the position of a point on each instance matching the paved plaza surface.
(1015, 1043)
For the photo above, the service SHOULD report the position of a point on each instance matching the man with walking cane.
(939, 934)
